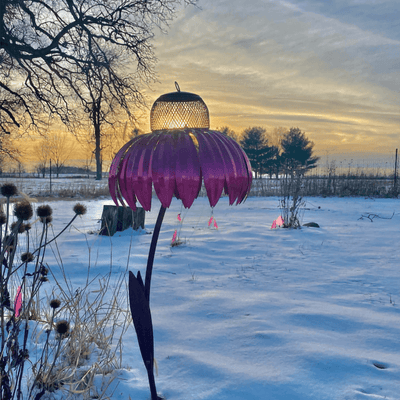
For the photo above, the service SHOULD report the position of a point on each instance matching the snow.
(247, 312)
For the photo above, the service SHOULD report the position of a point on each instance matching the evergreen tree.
(270, 162)
(297, 153)
(255, 143)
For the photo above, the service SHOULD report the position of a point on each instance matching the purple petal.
(138, 177)
(231, 184)
(239, 181)
(211, 164)
(249, 180)
(114, 170)
(187, 170)
(163, 167)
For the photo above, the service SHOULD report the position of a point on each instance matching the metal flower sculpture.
(176, 158)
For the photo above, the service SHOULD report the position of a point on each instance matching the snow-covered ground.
(244, 312)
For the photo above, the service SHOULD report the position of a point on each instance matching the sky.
(330, 68)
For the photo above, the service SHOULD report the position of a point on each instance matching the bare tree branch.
(45, 45)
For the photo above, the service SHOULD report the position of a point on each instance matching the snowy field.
(244, 312)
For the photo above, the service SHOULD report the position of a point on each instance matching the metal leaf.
(141, 316)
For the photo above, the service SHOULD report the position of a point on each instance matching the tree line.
(286, 152)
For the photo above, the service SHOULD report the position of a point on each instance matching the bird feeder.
(176, 158)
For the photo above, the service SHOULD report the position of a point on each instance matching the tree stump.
(117, 219)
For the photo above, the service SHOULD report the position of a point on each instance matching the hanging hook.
(177, 86)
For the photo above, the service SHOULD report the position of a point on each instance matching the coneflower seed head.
(79, 209)
(44, 211)
(23, 210)
(62, 327)
(8, 190)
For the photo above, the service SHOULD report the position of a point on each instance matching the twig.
(371, 216)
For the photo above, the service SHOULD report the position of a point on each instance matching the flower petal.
(138, 176)
(163, 167)
(239, 181)
(187, 169)
(211, 164)
(113, 179)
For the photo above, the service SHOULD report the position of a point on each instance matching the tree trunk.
(97, 136)
(99, 167)
(117, 219)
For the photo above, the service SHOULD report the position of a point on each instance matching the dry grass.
(99, 317)
(40, 354)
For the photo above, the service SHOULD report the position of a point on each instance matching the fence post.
(50, 176)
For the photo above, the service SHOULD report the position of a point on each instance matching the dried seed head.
(46, 220)
(27, 257)
(44, 211)
(43, 279)
(28, 227)
(43, 270)
(21, 227)
(3, 218)
(62, 327)
(55, 303)
(23, 210)
(80, 209)
(8, 190)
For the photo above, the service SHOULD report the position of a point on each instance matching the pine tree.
(255, 143)
(297, 153)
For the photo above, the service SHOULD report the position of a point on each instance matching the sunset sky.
(331, 68)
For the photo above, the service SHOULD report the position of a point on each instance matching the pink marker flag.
(179, 217)
(18, 302)
(277, 222)
(210, 221)
(215, 224)
(174, 236)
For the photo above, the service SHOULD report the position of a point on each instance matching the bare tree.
(45, 44)
(42, 151)
(107, 96)
(59, 148)
(86, 151)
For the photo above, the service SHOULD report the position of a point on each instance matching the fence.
(345, 176)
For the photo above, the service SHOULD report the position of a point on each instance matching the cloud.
(289, 63)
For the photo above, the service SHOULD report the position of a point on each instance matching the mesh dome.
(179, 110)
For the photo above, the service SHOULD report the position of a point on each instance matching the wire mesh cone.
(178, 110)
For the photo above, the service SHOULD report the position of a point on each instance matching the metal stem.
(152, 251)
(153, 390)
